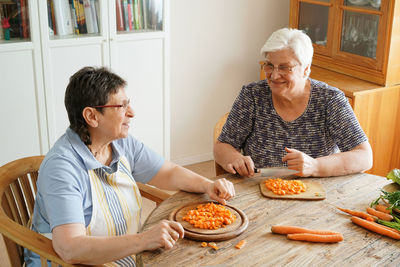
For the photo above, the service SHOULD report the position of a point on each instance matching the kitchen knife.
(275, 171)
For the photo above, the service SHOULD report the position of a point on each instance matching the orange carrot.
(382, 208)
(390, 228)
(379, 214)
(240, 244)
(360, 214)
(213, 245)
(285, 187)
(209, 216)
(333, 238)
(375, 227)
(204, 244)
(285, 229)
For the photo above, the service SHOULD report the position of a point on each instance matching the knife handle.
(256, 170)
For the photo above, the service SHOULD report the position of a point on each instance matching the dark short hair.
(88, 87)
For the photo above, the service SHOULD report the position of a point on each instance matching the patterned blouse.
(328, 125)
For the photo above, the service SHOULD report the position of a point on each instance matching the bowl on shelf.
(375, 3)
(359, 2)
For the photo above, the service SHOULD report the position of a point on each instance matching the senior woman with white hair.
(292, 120)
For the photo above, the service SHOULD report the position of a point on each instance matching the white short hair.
(293, 39)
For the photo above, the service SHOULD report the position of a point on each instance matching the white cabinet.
(34, 76)
(23, 112)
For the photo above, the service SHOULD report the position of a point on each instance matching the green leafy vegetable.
(392, 198)
(394, 225)
(394, 175)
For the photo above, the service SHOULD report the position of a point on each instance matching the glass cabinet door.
(14, 17)
(71, 18)
(313, 20)
(359, 34)
(139, 15)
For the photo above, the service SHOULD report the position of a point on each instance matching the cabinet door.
(354, 37)
(23, 116)
(313, 18)
(141, 64)
(360, 35)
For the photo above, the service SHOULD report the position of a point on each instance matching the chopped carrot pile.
(285, 187)
(210, 216)
(240, 244)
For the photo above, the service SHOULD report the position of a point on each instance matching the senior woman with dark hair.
(88, 201)
(292, 120)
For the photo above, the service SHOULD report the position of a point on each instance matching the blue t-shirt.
(64, 193)
(328, 125)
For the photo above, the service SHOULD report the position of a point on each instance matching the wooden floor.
(205, 169)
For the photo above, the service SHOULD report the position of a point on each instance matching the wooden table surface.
(360, 247)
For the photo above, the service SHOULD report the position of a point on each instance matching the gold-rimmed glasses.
(268, 68)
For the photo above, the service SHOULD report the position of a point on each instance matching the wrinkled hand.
(243, 165)
(163, 235)
(221, 190)
(299, 161)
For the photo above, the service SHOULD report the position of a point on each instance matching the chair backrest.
(17, 198)
(217, 131)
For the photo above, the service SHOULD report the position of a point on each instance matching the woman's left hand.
(299, 161)
(221, 190)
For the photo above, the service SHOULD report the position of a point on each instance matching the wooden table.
(359, 248)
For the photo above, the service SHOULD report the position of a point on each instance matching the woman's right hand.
(163, 235)
(243, 165)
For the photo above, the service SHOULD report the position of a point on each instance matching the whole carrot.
(286, 229)
(390, 228)
(375, 227)
(360, 214)
(379, 214)
(382, 208)
(334, 238)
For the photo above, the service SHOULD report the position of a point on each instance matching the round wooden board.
(315, 191)
(220, 234)
(393, 187)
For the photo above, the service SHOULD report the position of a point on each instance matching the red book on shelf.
(120, 15)
(24, 19)
(130, 14)
(53, 18)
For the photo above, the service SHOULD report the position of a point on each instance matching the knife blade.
(275, 171)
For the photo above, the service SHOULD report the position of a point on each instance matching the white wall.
(215, 49)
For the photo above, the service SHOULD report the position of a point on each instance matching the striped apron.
(116, 205)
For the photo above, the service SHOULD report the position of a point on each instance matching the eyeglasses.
(124, 106)
(268, 68)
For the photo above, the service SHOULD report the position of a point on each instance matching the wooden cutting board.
(221, 234)
(315, 191)
(393, 187)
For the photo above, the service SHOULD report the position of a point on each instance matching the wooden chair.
(17, 198)
(217, 131)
